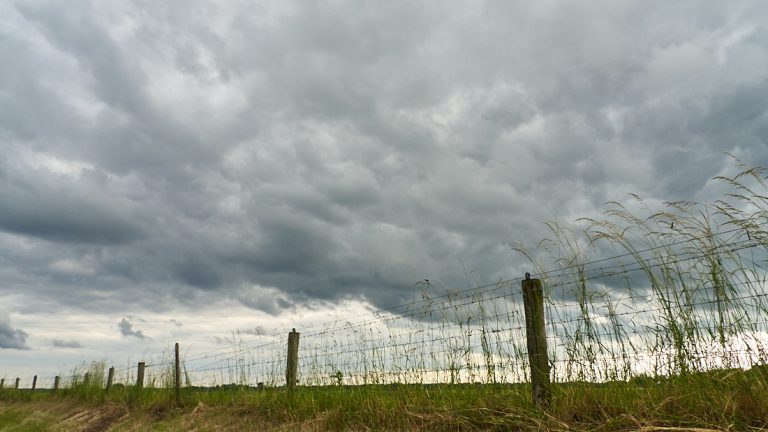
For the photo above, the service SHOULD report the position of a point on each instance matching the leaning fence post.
(140, 375)
(34, 383)
(536, 336)
(292, 368)
(177, 376)
(110, 378)
(56, 382)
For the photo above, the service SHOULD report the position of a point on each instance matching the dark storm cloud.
(43, 206)
(290, 153)
(11, 338)
(198, 272)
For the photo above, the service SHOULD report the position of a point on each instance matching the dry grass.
(710, 401)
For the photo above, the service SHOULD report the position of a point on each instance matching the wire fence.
(677, 307)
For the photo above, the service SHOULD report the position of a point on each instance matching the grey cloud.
(126, 329)
(198, 272)
(256, 331)
(59, 343)
(347, 152)
(266, 299)
(61, 210)
(11, 338)
(223, 341)
(137, 134)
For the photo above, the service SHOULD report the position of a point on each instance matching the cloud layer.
(286, 153)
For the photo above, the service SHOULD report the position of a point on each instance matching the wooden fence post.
(110, 378)
(34, 383)
(17, 384)
(536, 336)
(56, 382)
(140, 375)
(292, 368)
(2, 383)
(177, 376)
(86, 379)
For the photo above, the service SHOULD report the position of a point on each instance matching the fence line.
(668, 325)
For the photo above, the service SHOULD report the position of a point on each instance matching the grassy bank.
(718, 400)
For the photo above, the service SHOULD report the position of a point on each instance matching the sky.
(187, 170)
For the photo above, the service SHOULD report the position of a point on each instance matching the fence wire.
(673, 308)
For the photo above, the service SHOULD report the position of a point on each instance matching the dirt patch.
(94, 419)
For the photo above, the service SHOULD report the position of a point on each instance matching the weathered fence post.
(86, 379)
(2, 383)
(34, 383)
(140, 375)
(56, 382)
(110, 378)
(177, 376)
(536, 336)
(292, 368)
(17, 384)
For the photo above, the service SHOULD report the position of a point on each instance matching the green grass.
(16, 420)
(732, 400)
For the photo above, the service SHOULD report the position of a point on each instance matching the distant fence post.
(177, 376)
(2, 383)
(292, 368)
(86, 379)
(17, 384)
(110, 378)
(56, 382)
(536, 336)
(140, 375)
(34, 383)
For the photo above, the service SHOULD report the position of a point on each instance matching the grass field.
(717, 400)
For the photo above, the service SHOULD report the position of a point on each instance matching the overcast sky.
(179, 170)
